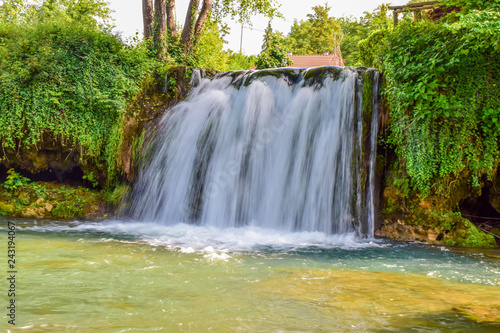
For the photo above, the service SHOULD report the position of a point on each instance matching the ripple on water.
(119, 276)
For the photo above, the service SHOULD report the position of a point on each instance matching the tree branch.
(200, 23)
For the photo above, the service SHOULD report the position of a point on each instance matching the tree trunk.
(159, 30)
(187, 32)
(171, 24)
(200, 23)
(147, 18)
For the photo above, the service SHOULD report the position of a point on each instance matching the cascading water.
(278, 149)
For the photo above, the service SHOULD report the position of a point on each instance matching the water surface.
(123, 276)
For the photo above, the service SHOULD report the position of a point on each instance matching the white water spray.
(278, 149)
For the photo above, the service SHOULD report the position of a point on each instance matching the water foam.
(188, 238)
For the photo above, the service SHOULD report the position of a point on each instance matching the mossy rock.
(59, 201)
(6, 209)
(24, 198)
(66, 210)
(408, 216)
(34, 212)
(465, 234)
(443, 229)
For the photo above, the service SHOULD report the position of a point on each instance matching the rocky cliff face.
(156, 97)
(436, 219)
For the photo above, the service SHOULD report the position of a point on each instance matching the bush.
(66, 83)
(444, 92)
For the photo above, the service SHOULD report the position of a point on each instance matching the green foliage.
(66, 83)
(14, 180)
(372, 48)
(353, 32)
(471, 5)
(357, 30)
(115, 197)
(318, 34)
(322, 33)
(6, 209)
(210, 53)
(238, 61)
(443, 88)
(40, 190)
(91, 178)
(273, 54)
(95, 13)
(242, 10)
(460, 231)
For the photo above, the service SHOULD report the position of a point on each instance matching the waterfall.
(280, 149)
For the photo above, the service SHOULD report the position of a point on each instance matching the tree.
(193, 26)
(210, 53)
(318, 34)
(200, 10)
(171, 24)
(356, 30)
(147, 18)
(159, 42)
(154, 20)
(95, 13)
(273, 53)
(239, 61)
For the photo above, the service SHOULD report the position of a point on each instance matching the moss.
(157, 95)
(368, 77)
(115, 197)
(458, 231)
(390, 207)
(54, 200)
(408, 216)
(316, 76)
(24, 198)
(6, 209)
(425, 222)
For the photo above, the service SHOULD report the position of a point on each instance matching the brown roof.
(315, 60)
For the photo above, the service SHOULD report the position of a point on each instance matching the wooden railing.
(414, 7)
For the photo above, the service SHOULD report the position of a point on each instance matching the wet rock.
(409, 233)
(34, 212)
(448, 229)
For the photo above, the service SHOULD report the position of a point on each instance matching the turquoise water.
(121, 276)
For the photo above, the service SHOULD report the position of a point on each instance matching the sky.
(128, 18)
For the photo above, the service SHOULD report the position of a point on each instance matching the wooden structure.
(414, 7)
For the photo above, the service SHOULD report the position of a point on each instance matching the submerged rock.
(482, 313)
